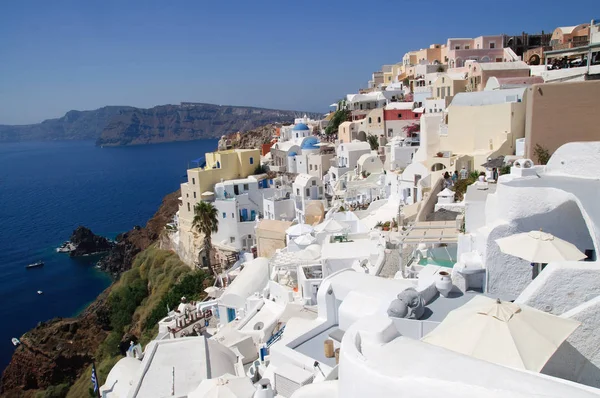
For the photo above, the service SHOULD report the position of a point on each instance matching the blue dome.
(310, 143)
(300, 127)
(292, 154)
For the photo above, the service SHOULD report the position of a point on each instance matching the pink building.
(481, 49)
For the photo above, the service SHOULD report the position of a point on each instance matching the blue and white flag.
(94, 378)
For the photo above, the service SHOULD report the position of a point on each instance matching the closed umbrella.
(304, 240)
(226, 386)
(502, 332)
(332, 226)
(539, 247)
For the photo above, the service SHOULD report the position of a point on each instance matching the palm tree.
(206, 221)
(373, 142)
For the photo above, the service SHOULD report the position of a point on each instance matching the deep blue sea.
(47, 189)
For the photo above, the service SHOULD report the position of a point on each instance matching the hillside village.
(435, 234)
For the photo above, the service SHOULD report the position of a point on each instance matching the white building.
(239, 203)
(347, 155)
(307, 188)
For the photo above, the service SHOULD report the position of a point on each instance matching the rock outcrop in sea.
(85, 242)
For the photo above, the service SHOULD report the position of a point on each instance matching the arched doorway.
(437, 167)
(534, 59)
(362, 136)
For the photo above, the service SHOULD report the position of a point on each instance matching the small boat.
(40, 292)
(35, 265)
(16, 342)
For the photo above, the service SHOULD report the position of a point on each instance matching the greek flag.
(94, 378)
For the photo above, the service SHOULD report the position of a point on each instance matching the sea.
(47, 189)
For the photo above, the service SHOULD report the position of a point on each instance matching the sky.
(302, 55)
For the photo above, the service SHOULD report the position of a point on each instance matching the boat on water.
(35, 265)
(15, 341)
(40, 292)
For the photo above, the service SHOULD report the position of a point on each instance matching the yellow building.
(222, 165)
(447, 85)
(430, 55)
(484, 124)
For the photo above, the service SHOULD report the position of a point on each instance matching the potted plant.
(440, 154)
(386, 226)
(379, 225)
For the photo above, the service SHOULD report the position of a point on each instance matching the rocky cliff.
(254, 138)
(187, 122)
(75, 125)
(58, 351)
(130, 243)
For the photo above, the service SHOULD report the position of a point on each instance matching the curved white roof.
(299, 229)
(355, 146)
(252, 278)
(120, 378)
(373, 96)
(303, 179)
(487, 97)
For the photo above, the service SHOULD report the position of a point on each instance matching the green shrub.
(190, 287)
(58, 391)
(541, 153)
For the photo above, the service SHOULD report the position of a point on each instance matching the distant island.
(125, 125)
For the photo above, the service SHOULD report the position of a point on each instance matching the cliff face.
(86, 242)
(130, 243)
(186, 122)
(58, 351)
(75, 125)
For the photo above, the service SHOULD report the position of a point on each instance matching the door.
(230, 314)
(236, 190)
(244, 214)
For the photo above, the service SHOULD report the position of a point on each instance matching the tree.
(373, 141)
(260, 169)
(412, 130)
(440, 69)
(206, 221)
(542, 154)
(339, 117)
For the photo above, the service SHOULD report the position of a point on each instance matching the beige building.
(479, 73)
(430, 55)
(484, 124)
(447, 85)
(318, 164)
(372, 124)
(270, 236)
(348, 131)
(561, 112)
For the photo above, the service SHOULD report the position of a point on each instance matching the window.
(188, 203)
(416, 115)
(390, 132)
(316, 166)
(298, 191)
(232, 215)
(187, 195)
(246, 187)
(399, 116)
(448, 90)
(467, 47)
(492, 45)
(378, 119)
(307, 192)
(311, 167)
(457, 47)
(231, 239)
(224, 215)
(314, 182)
(369, 120)
(193, 181)
(194, 194)
(251, 160)
(438, 91)
(296, 135)
(249, 236)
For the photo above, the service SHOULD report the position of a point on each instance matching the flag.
(94, 378)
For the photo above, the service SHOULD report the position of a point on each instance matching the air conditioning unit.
(289, 378)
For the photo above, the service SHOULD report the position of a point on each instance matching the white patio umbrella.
(226, 386)
(304, 240)
(539, 247)
(502, 332)
(332, 225)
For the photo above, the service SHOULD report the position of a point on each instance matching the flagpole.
(95, 377)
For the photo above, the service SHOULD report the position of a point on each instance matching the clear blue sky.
(61, 55)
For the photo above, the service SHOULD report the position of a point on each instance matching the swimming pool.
(438, 262)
